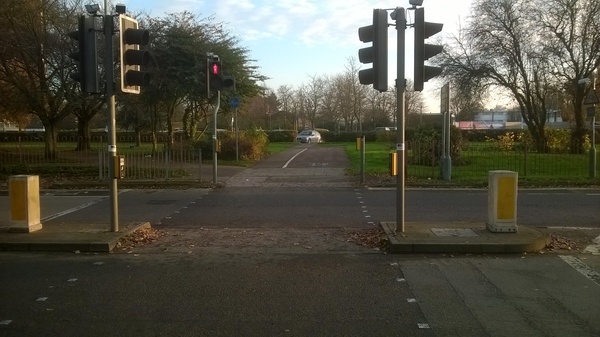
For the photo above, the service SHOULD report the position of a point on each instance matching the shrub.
(252, 145)
(426, 145)
(504, 142)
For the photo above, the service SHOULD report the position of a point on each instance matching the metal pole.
(110, 106)
(237, 137)
(400, 148)
(593, 149)
(362, 160)
(217, 105)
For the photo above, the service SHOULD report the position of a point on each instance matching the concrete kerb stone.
(105, 243)
(422, 240)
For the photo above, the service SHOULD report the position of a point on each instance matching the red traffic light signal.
(215, 68)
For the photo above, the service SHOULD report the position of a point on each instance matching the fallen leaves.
(371, 238)
(561, 243)
(140, 237)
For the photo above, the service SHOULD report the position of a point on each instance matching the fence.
(26, 155)
(475, 160)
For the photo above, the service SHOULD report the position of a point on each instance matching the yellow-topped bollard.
(502, 201)
(24, 195)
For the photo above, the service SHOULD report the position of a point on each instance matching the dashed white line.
(5, 322)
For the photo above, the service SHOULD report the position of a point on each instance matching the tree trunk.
(83, 133)
(50, 137)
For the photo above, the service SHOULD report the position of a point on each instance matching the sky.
(292, 40)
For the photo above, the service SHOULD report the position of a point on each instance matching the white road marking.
(582, 268)
(595, 248)
(294, 157)
(5, 322)
(74, 209)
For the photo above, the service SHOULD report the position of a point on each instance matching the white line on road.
(74, 209)
(294, 157)
(582, 268)
(595, 248)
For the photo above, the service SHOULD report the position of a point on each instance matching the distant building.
(506, 119)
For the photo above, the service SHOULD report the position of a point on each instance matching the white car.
(309, 136)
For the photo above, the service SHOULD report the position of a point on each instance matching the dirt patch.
(251, 240)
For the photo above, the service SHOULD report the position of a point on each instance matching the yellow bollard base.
(25, 229)
(499, 228)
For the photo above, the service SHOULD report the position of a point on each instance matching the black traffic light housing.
(377, 53)
(86, 55)
(215, 80)
(424, 51)
(131, 57)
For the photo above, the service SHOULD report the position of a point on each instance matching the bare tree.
(331, 101)
(501, 50)
(570, 35)
(34, 60)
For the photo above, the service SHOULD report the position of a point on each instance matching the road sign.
(234, 102)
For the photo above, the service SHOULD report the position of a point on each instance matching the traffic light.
(376, 54)
(86, 55)
(131, 57)
(215, 80)
(424, 51)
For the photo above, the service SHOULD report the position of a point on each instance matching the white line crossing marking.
(293, 157)
(595, 248)
(74, 209)
(582, 268)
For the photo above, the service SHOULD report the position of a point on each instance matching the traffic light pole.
(400, 89)
(217, 105)
(110, 106)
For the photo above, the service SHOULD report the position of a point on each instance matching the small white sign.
(400, 147)
(112, 148)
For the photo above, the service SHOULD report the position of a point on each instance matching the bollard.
(24, 195)
(502, 201)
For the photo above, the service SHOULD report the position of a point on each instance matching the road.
(269, 255)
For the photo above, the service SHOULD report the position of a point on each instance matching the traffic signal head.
(376, 54)
(131, 57)
(424, 51)
(216, 81)
(86, 55)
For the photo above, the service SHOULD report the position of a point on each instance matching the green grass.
(472, 169)
(279, 147)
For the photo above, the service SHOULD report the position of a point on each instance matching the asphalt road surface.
(272, 255)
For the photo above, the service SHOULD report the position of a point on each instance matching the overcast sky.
(294, 39)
